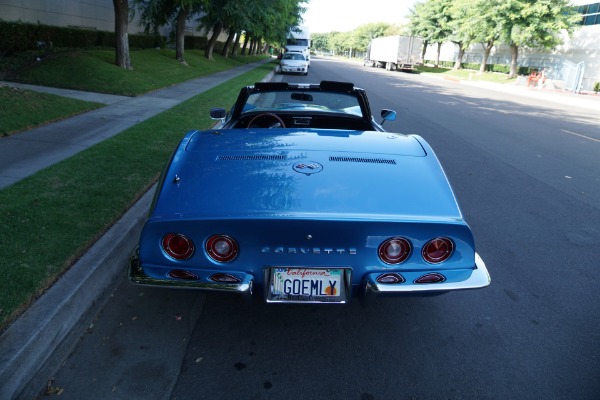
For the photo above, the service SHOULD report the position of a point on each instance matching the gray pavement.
(33, 347)
(586, 101)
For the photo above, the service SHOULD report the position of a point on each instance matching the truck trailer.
(298, 40)
(394, 52)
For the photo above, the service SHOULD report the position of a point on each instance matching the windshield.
(333, 102)
(293, 56)
(297, 42)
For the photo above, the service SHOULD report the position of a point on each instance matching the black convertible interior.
(288, 105)
(313, 120)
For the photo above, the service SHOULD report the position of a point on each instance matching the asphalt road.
(527, 176)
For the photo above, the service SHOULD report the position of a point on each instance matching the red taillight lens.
(438, 250)
(183, 274)
(222, 248)
(178, 246)
(432, 277)
(394, 250)
(390, 277)
(224, 278)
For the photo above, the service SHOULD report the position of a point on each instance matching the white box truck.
(298, 40)
(394, 52)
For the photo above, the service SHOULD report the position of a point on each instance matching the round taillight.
(222, 248)
(178, 246)
(438, 250)
(394, 250)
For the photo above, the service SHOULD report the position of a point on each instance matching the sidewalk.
(582, 101)
(33, 347)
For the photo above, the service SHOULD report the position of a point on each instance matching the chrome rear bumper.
(479, 278)
(137, 276)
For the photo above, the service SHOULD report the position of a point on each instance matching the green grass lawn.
(51, 218)
(24, 109)
(94, 71)
(466, 74)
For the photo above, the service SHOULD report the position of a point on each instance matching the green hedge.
(21, 36)
(195, 42)
(501, 68)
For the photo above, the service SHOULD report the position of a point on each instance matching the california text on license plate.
(307, 285)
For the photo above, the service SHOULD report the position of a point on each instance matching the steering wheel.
(267, 115)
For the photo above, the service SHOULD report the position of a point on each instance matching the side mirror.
(218, 113)
(388, 115)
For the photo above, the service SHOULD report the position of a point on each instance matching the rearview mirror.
(302, 97)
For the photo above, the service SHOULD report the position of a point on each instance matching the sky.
(325, 16)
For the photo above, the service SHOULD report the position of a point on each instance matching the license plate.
(299, 285)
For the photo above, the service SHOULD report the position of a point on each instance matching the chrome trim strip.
(138, 277)
(480, 278)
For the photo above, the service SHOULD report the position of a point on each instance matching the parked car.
(298, 195)
(293, 62)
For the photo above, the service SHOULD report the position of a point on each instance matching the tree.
(182, 15)
(486, 22)
(261, 22)
(122, 58)
(276, 19)
(236, 43)
(535, 24)
(210, 46)
(320, 41)
(430, 20)
(361, 37)
(464, 32)
(518, 23)
(156, 13)
(228, 42)
(220, 15)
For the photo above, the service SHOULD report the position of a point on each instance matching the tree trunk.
(252, 46)
(225, 52)
(244, 47)
(425, 44)
(487, 49)
(437, 56)
(236, 45)
(122, 58)
(514, 51)
(180, 35)
(213, 39)
(461, 53)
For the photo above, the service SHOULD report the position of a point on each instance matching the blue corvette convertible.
(298, 195)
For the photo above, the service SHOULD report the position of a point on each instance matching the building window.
(590, 14)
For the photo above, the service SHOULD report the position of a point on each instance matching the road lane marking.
(580, 135)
